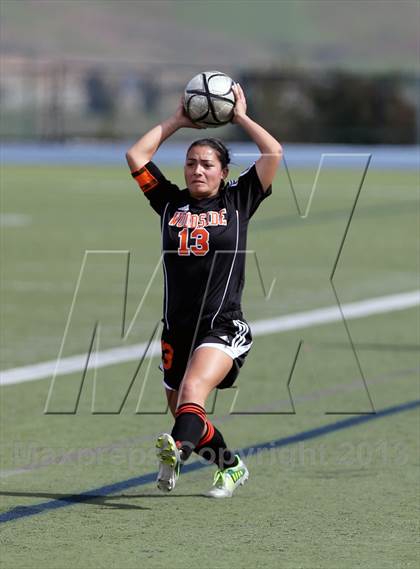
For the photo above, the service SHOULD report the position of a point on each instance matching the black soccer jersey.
(203, 244)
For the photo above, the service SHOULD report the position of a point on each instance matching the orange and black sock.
(212, 447)
(190, 419)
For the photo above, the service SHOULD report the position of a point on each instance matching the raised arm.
(144, 149)
(270, 148)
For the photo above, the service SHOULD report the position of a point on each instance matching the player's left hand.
(239, 109)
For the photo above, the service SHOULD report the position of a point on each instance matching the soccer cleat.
(226, 481)
(169, 462)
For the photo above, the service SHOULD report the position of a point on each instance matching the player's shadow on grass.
(162, 495)
(98, 500)
(95, 500)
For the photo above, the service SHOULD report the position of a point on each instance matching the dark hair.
(217, 145)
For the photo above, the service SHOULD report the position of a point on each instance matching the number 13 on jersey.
(196, 243)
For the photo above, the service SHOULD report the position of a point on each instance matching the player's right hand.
(182, 119)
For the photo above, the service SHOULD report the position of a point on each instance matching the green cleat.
(169, 462)
(226, 481)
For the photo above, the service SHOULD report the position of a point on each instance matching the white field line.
(294, 321)
(73, 455)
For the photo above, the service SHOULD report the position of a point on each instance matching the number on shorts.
(167, 355)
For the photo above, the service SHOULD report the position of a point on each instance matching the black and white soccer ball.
(209, 99)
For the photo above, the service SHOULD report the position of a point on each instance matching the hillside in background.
(352, 34)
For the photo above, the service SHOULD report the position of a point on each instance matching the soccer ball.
(209, 99)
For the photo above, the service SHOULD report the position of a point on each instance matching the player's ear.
(225, 173)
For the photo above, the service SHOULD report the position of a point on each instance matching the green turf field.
(343, 500)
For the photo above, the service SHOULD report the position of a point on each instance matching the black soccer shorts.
(232, 336)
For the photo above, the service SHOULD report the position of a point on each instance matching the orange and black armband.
(145, 179)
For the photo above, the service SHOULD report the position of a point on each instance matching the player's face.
(203, 172)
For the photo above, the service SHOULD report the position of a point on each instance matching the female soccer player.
(205, 338)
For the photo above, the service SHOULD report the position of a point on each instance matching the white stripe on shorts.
(231, 351)
(239, 338)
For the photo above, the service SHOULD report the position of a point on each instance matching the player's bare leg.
(206, 369)
(172, 398)
(204, 372)
(192, 430)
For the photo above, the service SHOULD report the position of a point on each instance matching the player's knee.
(188, 391)
(191, 389)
